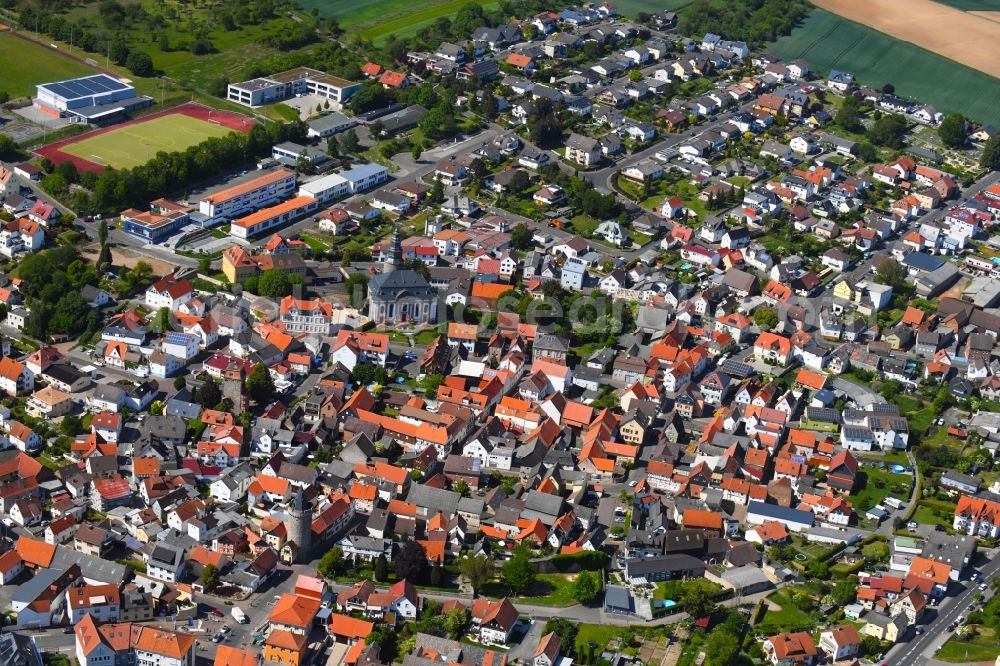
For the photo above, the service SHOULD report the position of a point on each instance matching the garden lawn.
(934, 512)
(828, 42)
(426, 336)
(25, 64)
(893, 457)
(789, 618)
(315, 244)
(600, 634)
(549, 590)
(874, 485)
(675, 589)
(584, 225)
(983, 647)
(809, 549)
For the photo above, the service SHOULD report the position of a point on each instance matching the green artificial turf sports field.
(136, 144)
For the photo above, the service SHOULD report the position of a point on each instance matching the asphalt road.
(918, 650)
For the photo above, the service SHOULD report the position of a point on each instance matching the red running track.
(234, 121)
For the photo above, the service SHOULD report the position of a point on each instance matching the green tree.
(870, 646)
(71, 426)
(260, 385)
(722, 649)
(9, 149)
(140, 63)
(156, 408)
(566, 630)
(518, 572)
(329, 565)
(990, 159)
(162, 321)
(437, 575)
(952, 130)
(845, 591)
(586, 587)
(519, 182)
(876, 551)
(891, 273)
(410, 562)
(349, 142)
(416, 152)
(455, 622)
(179, 383)
(356, 288)
(118, 51)
(102, 232)
(274, 283)
(478, 571)
(439, 123)
(867, 152)
(210, 577)
(818, 569)
(366, 373)
(462, 488)
(104, 258)
(697, 601)
(888, 131)
(208, 394)
(381, 569)
(437, 192)
(849, 115)
(765, 318)
(520, 237)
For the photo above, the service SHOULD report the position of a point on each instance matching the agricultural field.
(633, 7)
(25, 64)
(966, 37)
(377, 19)
(973, 5)
(828, 41)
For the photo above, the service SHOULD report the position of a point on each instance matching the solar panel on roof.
(96, 84)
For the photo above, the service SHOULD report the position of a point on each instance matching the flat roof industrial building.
(291, 83)
(89, 99)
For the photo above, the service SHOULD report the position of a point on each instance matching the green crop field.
(633, 7)
(377, 19)
(136, 144)
(973, 5)
(827, 41)
(25, 64)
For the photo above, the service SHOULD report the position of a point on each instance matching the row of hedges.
(587, 560)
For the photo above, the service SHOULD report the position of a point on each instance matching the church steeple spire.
(394, 257)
